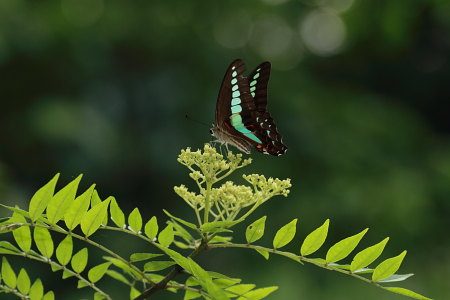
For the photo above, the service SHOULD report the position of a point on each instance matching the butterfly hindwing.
(258, 80)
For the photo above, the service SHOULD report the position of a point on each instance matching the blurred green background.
(359, 90)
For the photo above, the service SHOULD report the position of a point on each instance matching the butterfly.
(242, 119)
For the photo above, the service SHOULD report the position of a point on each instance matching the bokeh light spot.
(339, 6)
(323, 32)
(271, 37)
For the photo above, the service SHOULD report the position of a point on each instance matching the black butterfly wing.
(265, 128)
(258, 80)
(236, 111)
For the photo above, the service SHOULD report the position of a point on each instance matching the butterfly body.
(242, 119)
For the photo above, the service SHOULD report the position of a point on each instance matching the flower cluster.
(225, 202)
(212, 165)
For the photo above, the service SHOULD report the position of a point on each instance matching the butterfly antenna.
(196, 121)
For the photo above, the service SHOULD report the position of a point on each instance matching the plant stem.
(207, 201)
(296, 258)
(174, 272)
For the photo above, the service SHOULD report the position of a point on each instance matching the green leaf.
(78, 208)
(8, 248)
(95, 199)
(43, 241)
(190, 294)
(285, 234)
(388, 267)
(205, 280)
(79, 260)
(166, 236)
(37, 290)
(66, 274)
(22, 235)
(135, 220)
(117, 215)
(264, 253)
(154, 266)
(192, 281)
(49, 296)
(225, 282)
(40, 199)
(134, 293)
(142, 256)
(17, 210)
(98, 296)
(61, 201)
(181, 232)
(259, 293)
(55, 267)
(81, 284)
(368, 255)
(185, 223)
(8, 275)
(117, 276)
(122, 265)
(406, 292)
(343, 248)
(23, 282)
(213, 226)
(315, 239)
(97, 272)
(151, 228)
(240, 289)
(92, 220)
(255, 231)
(396, 277)
(213, 274)
(64, 250)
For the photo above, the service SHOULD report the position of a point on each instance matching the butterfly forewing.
(241, 111)
(235, 110)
